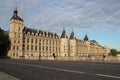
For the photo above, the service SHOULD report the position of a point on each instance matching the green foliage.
(118, 52)
(114, 52)
(3, 43)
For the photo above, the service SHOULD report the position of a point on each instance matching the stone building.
(29, 43)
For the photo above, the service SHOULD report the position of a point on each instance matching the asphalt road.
(58, 70)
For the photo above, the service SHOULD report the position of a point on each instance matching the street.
(59, 70)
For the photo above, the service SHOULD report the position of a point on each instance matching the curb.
(4, 76)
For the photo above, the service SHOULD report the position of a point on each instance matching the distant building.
(39, 44)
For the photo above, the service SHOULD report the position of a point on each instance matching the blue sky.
(99, 19)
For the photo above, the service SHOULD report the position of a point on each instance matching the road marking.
(65, 70)
(57, 69)
(110, 76)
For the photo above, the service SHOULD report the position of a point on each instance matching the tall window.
(27, 40)
(18, 41)
(19, 29)
(15, 35)
(43, 41)
(39, 48)
(46, 48)
(36, 41)
(31, 40)
(27, 47)
(50, 48)
(32, 47)
(53, 48)
(13, 47)
(17, 47)
(46, 42)
(36, 48)
(39, 42)
(13, 54)
(14, 41)
(56, 48)
(18, 35)
(43, 48)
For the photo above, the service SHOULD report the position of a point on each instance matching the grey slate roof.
(39, 32)
(15, 15)
(86, 38)
(72, 35)
(64, 35)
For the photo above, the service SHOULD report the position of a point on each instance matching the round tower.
(87, 43)
(64, 44)
(72, 45)
(15, 35)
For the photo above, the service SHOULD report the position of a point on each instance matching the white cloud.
(74, 13)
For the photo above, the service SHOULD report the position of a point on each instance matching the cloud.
(73, 13)
(98, 18)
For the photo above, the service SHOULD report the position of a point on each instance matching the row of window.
(41, 55)
(41, 41)
(17, 41)
(15, 48)
(42, 48)
(43, 35)
(15, 54)
(16, 35)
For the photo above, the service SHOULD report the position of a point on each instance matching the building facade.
(29, 43)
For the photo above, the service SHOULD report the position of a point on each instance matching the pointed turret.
(64, 42)
(64, 35)
(72, 35)
(86, 38)
(72, 45)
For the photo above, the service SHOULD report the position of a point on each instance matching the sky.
(99, 19)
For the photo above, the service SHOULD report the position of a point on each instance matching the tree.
(3, 43)
(118, 52)
(113, 52)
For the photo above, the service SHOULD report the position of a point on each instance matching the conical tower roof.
(86, 38)
(64, 35)
(72, 35)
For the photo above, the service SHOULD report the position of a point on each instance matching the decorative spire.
(15, 8)
(15, 15)
(15, 12)
(86, 38)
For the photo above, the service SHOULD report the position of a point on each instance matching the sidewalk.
(4, 76)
